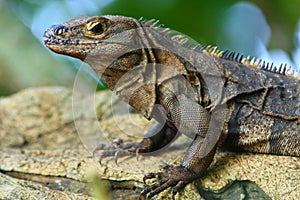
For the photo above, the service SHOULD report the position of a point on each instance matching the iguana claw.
(175, 177)
(117, 149)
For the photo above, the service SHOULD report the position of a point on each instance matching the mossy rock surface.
(47, 135)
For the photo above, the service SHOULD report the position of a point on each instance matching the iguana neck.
(136, 76)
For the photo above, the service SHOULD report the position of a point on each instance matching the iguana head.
(82, 37)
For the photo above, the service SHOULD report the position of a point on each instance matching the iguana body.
(221, 98)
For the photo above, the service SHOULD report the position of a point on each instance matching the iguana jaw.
(61, 45)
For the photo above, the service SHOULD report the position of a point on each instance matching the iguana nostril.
(59, 29)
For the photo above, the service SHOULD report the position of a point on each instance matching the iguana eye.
(97, 29)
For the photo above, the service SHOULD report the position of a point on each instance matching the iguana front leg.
(189, 118)
(177, 177)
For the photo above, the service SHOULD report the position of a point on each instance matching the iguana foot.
(117, 149)
(175, 177)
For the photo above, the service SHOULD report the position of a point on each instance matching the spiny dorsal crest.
(227, 54)
(249, 61)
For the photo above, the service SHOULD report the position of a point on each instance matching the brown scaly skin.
(256, 110)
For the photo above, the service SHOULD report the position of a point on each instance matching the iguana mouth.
(51, 39)
(54, 39)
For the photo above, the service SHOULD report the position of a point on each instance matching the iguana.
(220, 98)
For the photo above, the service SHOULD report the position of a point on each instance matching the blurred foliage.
(202, 19)
(25, 62)
(283, 17)
(198, 19)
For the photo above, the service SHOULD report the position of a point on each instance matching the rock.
(47, 135)
(278, 176)
(12, 188)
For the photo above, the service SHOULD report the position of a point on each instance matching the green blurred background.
(268, 29)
